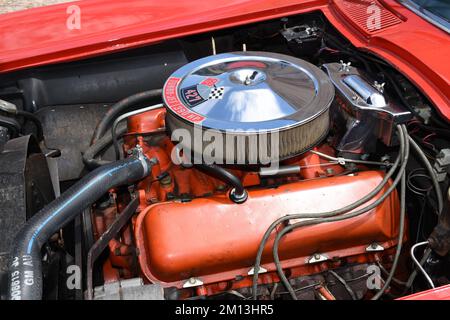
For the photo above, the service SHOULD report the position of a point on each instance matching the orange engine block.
(215, 240)
(208, 240)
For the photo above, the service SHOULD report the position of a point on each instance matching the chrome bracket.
(193, 282)
(374, 247)
(252, 271)
(317, 257)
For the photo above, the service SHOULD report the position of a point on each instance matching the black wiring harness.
(342, 214)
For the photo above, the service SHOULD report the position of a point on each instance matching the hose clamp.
(138, 152)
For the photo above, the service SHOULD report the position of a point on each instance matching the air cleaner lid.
(248, 91)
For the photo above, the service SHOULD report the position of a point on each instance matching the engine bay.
(269, 161)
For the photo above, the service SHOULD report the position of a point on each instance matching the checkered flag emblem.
(216, 93)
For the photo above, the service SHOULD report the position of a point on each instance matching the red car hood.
(40, 36)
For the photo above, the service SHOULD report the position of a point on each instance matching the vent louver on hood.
(363, 15)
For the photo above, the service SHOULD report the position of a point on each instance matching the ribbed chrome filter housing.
(251, 94)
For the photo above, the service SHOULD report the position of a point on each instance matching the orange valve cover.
(214, 240)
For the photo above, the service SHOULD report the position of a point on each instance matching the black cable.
(395, 280)
(415, 188)
(317, 221)
(13, 125)
(120, 107)
(345, 284)
(441, 123)
(343, 210)
(365, 275)
(124, 116)
(89, 156)
(431, 173)
(309, 286)
(440, 131)
(422, 218)
(423, 191)
(398, 92)
(351, 52)
(444, 127)
(401, 175)
(37, 123)
(238, 194)
(404, 151)
(400, 235)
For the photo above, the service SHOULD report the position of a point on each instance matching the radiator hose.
(25, 273)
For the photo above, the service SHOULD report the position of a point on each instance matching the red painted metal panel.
(40, 36)
(441, 293)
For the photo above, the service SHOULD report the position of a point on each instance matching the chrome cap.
(248, 91)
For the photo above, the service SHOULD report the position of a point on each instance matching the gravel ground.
(15, 5)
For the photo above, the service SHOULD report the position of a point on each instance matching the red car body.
(40, 36)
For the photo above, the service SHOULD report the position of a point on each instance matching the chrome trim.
(286, 93)
(369, 107)
(370, 95)
(260, 270)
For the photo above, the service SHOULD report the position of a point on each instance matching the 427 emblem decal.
(199, 93)
(191, 96)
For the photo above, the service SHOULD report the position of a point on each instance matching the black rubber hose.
(400, 176)
(124, 116)
(37, 123)
(333, 213)
(120, 107)
(431, 173)
(89, 156)
(25, 273)
(345, 284)
(238, 193)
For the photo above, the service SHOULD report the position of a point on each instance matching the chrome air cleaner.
(249, 94)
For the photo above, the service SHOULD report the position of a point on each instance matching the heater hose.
(120, 107)
(25, 273)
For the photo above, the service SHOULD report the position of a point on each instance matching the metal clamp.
(193, 282)
(252, 271)
(317, 257)
(374, 247)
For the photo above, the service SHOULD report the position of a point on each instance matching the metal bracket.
(374, 247)
(344, 67)
(300, 33)
(317, 257)
(193, 282)
(341, 161)
(8, 107)
(104, 239)
(252, 271)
